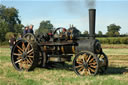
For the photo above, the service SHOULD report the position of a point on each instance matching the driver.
(64, 32)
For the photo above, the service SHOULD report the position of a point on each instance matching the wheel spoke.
(30, 60)
(19, 51)
(29, 51)
(20, 48)
(19, 57)
(91, 69)
(81, 69)
(89, 58)
(78, 66)
(18, 61)
(17, 54)
(23, 46)
(30, 56)
(92, 66)
(27, 47)
(85, 58)
(79, 62)
(82, 72)
(92, 63)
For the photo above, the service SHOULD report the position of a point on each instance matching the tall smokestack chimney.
(92, 14)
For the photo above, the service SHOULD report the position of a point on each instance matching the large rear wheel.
(24, 55)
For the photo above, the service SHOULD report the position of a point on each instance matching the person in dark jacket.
(25, 30)
(30, 30)
(12, 41)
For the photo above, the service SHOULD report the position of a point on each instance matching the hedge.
(114, 40)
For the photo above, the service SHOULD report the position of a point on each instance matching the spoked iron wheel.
(29, 37)
(24, 55)
(85, 63)
(103, 63)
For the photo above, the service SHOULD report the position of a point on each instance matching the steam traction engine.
(89, 58)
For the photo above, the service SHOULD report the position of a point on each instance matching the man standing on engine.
(30, 30)
(25, 30)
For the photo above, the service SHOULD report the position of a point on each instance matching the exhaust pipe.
(92, 14)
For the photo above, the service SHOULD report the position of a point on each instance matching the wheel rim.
(103, 62)
(85, 63)
(22, 55)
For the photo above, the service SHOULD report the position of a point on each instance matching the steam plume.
(90, 3)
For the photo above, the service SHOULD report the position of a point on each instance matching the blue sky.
(61, 13)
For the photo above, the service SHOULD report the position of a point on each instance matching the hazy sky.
(61, 13)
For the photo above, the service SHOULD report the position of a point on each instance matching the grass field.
(117, 73)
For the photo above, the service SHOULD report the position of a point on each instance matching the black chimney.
(92, 14)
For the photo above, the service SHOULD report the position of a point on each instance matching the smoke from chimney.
(90, 3)
(75, 6)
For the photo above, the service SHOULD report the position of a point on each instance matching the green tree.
(117, 34)
(3, 29)
(9, 21)
(100, 34)
(113, 30)
(85, 33)
(44, 27)
(110, 34)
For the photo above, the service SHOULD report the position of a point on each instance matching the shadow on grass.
(59, 66)
(64, 66)
(116, 70)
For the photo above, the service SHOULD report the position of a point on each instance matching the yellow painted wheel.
(24, 55)
(85, 63)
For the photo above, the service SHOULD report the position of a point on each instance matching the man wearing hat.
(30, 30)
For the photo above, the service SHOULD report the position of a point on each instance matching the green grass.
(115, 51)
(116, 74)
